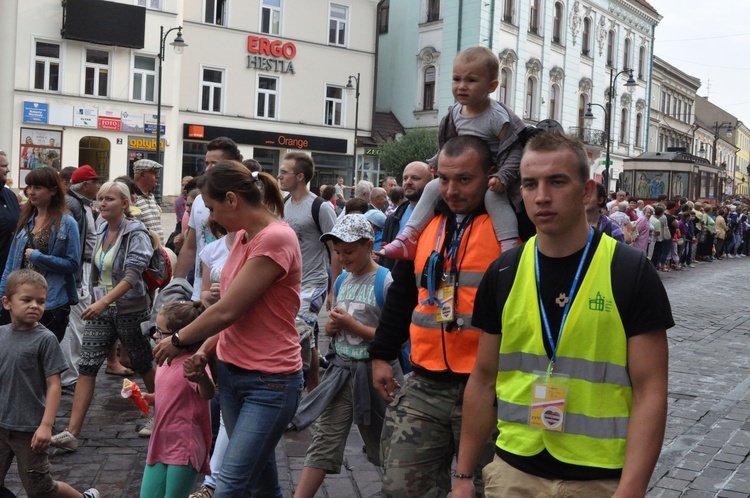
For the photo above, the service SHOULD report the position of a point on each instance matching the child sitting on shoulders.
(181, 440)
(346, 393)
(475, 78)
(30, 365)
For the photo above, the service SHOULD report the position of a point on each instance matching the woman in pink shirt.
(260, 367)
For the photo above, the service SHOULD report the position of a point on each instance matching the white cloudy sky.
(711, 41)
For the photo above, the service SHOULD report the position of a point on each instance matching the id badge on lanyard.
(549, 394)
(446, 301)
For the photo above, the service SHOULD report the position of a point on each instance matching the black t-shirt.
(641, 301)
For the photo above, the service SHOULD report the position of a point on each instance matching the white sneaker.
(147, 429)
(91, 493)
(65, 441)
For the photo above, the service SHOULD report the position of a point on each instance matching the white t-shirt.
(214, 255)
(203, 236)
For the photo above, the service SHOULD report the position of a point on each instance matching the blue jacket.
(59, 267)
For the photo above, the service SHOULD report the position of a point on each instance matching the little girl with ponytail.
(181, 440)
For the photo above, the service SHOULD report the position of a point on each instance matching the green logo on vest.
(599, 303)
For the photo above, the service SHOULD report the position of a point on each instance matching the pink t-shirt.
(182, 421)
(264, 338)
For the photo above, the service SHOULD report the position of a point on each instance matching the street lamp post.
(717, 127)
(349, 88)
(631, 85)
(179, 45)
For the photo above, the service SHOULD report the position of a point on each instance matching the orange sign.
(195, 131)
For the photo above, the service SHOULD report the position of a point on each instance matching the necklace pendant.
(562, 300)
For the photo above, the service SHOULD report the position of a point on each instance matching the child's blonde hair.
(484, 56)
(23, 276)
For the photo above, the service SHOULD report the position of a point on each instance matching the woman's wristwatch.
(176, 341)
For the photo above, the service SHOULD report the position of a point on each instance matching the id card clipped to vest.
(549, 394)
(446, 302)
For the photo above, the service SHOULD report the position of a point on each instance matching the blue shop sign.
(35, 112)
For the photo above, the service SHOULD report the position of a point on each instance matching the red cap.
(83, 174)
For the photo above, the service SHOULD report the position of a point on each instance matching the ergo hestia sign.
(270, 55)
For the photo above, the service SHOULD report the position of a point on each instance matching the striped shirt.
(150, 213)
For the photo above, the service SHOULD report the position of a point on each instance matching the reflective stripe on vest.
(432, 348)
(592, 351)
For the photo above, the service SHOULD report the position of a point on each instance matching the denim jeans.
(257, 407)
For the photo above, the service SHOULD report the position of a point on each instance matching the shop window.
(47, 66)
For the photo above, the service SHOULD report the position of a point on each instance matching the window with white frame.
(641, 63)
(554, 102)
(143, 78)
(270, 17)
(505, 82)
(611, 48)
(586, 37)
(337, 24)
(433, 10)
(530, 103)
(638, 126)
(216, 12)
(428, 91)
(624, 126)
(534, 17)
(268, 97)
(508, 10)
(47, 66)
(557, 28)
(582, 106)
(334, 111)
(212, 89)
(626, 61)
(96, 73)
(151, 4)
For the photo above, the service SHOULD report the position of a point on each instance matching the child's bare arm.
(43, 435)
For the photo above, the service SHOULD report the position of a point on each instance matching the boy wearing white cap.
(346, 393)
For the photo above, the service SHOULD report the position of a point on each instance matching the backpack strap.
(380, 276)
(380, 286)
(339, 281)
(317, 202)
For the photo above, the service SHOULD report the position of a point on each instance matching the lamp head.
(349, 87)
(730, 130)
(589, 118)
(631, 84)
(178, 43)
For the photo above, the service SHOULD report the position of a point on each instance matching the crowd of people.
(676, 233)
(501, 286)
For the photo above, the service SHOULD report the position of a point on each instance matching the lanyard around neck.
(103, 253)
(571, 294)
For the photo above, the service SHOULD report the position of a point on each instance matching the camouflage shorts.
(420, 438)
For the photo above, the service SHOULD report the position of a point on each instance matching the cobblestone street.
(705, 450)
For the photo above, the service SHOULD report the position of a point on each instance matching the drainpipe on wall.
(460, 22)
(377, 54)
(492, 24)
(648, 92)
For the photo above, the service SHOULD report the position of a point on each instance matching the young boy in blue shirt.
(30, 364)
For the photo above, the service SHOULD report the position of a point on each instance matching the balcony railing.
(589, 136)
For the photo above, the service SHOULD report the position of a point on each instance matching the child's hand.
(496, 185)
(194, 368)
(40, 440)
(215, 291)
(341, 318)
(150, 398)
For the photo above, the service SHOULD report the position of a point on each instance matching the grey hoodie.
(136, 240)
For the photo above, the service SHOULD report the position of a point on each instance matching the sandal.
(125, 372)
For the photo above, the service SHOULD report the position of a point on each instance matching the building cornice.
(634, 16)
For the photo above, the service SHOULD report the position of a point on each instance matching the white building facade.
(556, 57)
(270, 74)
